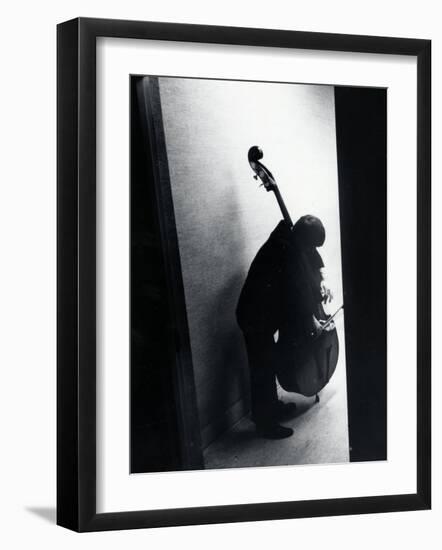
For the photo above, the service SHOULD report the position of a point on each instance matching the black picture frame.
(76, 273)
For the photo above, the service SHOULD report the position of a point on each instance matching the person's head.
(309, 231)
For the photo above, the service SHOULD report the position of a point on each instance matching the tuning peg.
(255, 177)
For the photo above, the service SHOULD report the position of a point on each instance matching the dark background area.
(361, 129)
(154, 443)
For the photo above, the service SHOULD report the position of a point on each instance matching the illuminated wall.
(223, 217)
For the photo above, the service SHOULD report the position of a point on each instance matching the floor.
(320, 433)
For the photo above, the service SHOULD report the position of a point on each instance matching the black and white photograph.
(258, 258)
(219, 237)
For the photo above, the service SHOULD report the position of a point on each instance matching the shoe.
(274, 431)
(285, 410)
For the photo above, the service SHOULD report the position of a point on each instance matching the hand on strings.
(329, 327)
(322, 325)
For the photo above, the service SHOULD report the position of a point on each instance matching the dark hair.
(309, 231)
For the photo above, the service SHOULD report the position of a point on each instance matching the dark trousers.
(261, 356)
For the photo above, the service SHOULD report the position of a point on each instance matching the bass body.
(306, 367)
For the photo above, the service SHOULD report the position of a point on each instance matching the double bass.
(303, 366)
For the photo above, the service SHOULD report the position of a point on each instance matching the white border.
(116, 489)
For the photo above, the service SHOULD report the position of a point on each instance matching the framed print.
(243, 274)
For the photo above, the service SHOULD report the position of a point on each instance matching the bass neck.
(282, 205)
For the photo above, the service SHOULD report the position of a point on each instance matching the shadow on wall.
(228, 389)
(46, 513)
(223, 378)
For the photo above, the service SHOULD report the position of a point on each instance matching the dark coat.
(282, 288)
